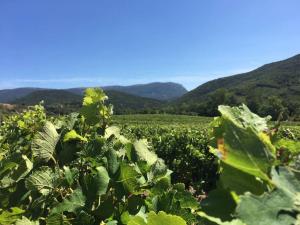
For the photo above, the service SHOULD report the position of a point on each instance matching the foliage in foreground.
(79, 170)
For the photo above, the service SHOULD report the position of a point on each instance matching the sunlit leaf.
(42, 181)
(9, 217)
(143, 153)
(44, 143)
(240, 142)
(72, 136)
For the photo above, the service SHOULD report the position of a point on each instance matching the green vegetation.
(81, 169)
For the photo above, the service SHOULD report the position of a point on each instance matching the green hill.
(63, 101)
(270, 89)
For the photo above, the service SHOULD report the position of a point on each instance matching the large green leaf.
(44, 143)
(130, 177)
(11, 216)
(15, 171)
(95, 184)
(240, 141)
(279, 207)
(42, 181)
(71, 204)
(143, 153)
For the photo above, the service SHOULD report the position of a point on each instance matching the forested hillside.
(268, 90)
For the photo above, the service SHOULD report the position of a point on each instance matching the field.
(94, 168)
(162, 120)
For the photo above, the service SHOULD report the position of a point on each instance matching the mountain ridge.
(165, 91)
(277, 81)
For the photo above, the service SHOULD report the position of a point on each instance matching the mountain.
(272, 85)
(64, 101)
(9, 95)
(160, 91)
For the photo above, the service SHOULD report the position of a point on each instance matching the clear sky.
(71, 43)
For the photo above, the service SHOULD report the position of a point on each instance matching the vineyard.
(93, 168)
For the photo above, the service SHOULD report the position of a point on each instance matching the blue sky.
(71, 43)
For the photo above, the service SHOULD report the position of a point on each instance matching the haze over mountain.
(157, 90)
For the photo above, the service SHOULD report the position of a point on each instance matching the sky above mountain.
(68, 43)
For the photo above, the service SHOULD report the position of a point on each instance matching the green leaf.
(70, 174)
(157, 219)
(158, 170)
(130, 177)
(17, 172)
(285, 180)
(240, 182)
(71, 204)
(57, 219)
(143, 153)
(279, 207)
(93, 106)
(164, 219)
(11, 216)
(136, 220)
(218, 221)
(240, 142)
(115, 131)
(42, 181)
(95, 184)
(44, 143)
(112, 131)
(242, 117)
(212, 205)
(25, 221)
(73, 136)
(93, 95)
(186, 199)
(113, 163)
